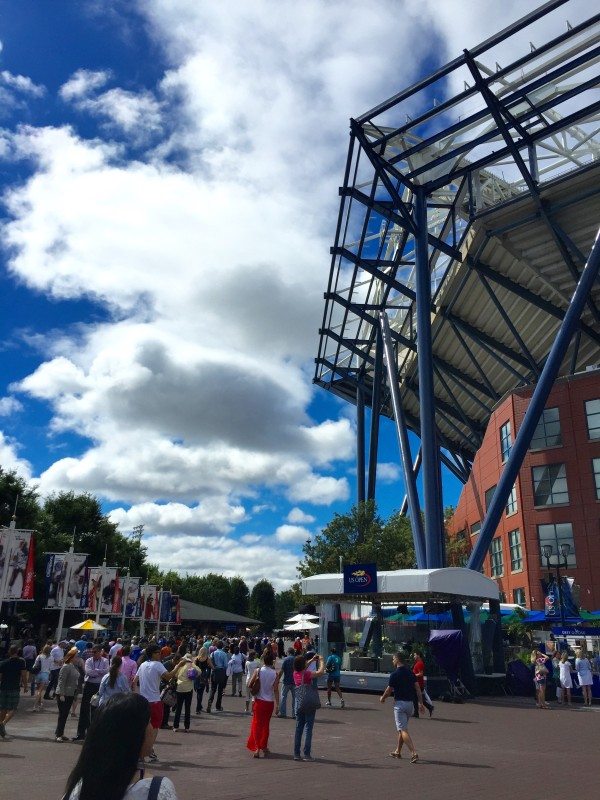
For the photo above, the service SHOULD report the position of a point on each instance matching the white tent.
(301, 626)
(302, 618)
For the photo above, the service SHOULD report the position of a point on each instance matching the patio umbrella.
(302, 618)
(301, 626)
(87, 625)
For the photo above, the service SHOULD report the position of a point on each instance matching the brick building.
(555, 500)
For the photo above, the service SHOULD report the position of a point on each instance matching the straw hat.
(71, 654)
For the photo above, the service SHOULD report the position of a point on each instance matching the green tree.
(240, 596)
(14, 491)
(360, 536)
(285, 605)
(262, 604)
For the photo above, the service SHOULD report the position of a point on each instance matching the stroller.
(446, 647)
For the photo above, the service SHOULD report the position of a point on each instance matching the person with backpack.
(333, 667)
(119, 737)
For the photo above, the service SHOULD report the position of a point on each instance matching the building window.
(476, 528)
(550, 485)
(496, 560)
(547, 433)
(502, 597)
(592, 412)
(555, 535)
(511, 503)
(519, 596)
(505, 441)
(488, 496)
(596, 471)
(516, 556)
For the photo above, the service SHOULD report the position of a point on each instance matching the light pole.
(548, 551)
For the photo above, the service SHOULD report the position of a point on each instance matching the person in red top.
(419, 673)
(297, 645)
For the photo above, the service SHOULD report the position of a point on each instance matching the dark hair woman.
(120, 734)
(114, 682)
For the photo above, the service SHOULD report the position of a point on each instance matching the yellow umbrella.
(87, 625)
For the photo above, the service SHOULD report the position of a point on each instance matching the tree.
(14, 491)
(360, 536)
(240, 596)
(262, 604)
(285, 605)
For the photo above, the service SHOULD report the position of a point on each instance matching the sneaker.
(60, 739)
(328, 703)
(153, 756)
(78, 738)
(342, 704)
(297, 758)
(308, 758)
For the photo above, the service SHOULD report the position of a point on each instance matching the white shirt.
(236, 662)
(250, 667)
(149, 677)
(267, 679)
(115, 650)
(57, 654)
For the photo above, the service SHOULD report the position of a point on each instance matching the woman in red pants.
(265, 702)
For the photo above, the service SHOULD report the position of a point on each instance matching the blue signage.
(576, 631)
(360, 579)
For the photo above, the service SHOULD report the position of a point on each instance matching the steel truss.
(463, 232)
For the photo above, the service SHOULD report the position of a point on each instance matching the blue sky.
(169, 176)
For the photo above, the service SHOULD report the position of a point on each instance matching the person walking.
(333, 668)
(120, 736)
(66, 689)
(128, 665)
(186, 673)
(13, 676)
(148, 678)
(584, 676)
(265, 701)
(58, 655)
(419, 673)
(218, 661)
(114, 682)
(305, 672)
(236, 670)
(203, 680)
(30, 655)
(286, 681)
(250, 666)
(540, 674)
(565, 679)
(95, 669)
(41, 670)
(403, 685)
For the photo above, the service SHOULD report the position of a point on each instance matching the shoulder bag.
(168, 696)
(254, 684)
(307, 698)
(37, 666)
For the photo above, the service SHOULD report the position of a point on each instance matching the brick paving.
(489, 748)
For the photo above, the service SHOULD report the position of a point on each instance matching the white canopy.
(301, 626)
(412, 585)
(302, 618)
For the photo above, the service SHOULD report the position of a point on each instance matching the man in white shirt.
(148, 678)
(57, 655)
(115, 649)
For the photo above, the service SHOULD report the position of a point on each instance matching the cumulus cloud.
(10, 459)
(21, 84)
(212, 517)
(298, 517)
(388, 472)
(9, 405)
(292, 534)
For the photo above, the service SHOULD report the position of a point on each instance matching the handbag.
(37, 667)
(307, 698)
(94, 700)
(254, 684)
(168, 696)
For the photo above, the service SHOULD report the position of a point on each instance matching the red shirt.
(297, 646)
(419, 666)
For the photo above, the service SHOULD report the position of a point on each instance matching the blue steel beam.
(360, 442)
(375, 409)
(416, 468)
(536, 406)
(403, 441)
(431, 494)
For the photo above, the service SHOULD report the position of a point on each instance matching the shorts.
(9, 699)
(156, 714)
(42, 678)
(333, 681)
(403, 710)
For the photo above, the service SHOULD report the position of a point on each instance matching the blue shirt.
(287, 667)
(219, 659)
(336, 662)
(81, 645)
(136, 652)
(402, 681)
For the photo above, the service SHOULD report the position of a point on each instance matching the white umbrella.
(87, 625)
(301, 626)
(302, 618)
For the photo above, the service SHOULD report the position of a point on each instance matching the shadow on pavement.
(429, 761)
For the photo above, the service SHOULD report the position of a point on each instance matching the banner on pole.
(175, 615)
(150, 603)
(17, 558)
(165, 606)
(56, 580)
(132, 598)
(117, 595)
(102, 584)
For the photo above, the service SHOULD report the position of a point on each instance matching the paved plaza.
(492, 748)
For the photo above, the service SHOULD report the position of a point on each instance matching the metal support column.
(360, 443)
(497, 646)
(536, 406)
(467, 673)
(416, 468)
(402, 431)
(431, 494)
(375, 406)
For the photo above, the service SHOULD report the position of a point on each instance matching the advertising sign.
(132, 598)
(102, 585)
(175, 615)
(165, 606)
(73, 594)
(360, 578)
(151, 603)
(17, 559)
(552, 599)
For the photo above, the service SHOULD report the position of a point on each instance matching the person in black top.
(403, 685)
(13, 675)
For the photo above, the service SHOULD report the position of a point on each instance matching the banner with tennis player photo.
(150, 603)
(132, 598)
(66, 580)
(16, 564)
(103, 583)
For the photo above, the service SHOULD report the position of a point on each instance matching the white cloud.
(9, 405)
(83, 83)
(212, 517)
(250, 538)
(292, 534)
(298, 517)
(21, 84)
(10, 460)
(388, 472)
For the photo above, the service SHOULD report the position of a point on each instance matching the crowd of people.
(557, 667)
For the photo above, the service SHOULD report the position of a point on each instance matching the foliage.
(262, 604)
(240, 596)
(360, 536)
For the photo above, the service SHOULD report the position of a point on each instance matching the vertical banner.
(73, 595)
(132, 598)
(151, 603)
(165, 607)
(102, 586)
(552, 598)
(17, 559)
(175, 615)
(118, 595)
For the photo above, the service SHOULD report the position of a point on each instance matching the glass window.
(516, 556)
(505, 441)
(519, 596)
(596, 471)
(496, 560)
(511, 503)
(555, 535)
(488, 496)
(502, 597)
(476, 528)
(550, 485)
(547, 433)
(592, 412)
